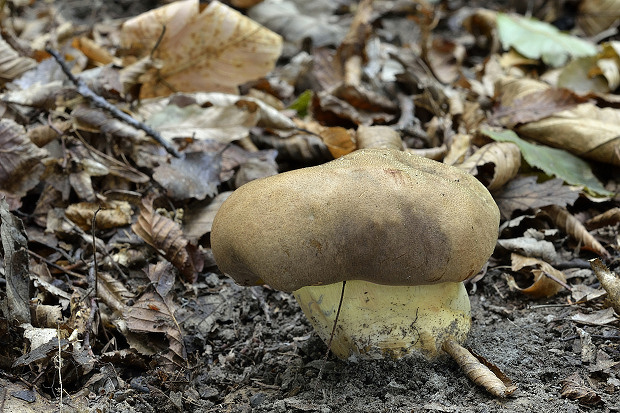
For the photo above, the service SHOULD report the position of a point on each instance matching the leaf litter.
(134, 314)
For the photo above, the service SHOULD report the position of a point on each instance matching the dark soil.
(253, 351)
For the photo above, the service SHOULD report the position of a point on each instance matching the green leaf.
(555, 162)
(301, 103)
(535, 39)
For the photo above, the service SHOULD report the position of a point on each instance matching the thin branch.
(101, 103)
(331, 336)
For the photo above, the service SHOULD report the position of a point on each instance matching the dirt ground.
(253, 351)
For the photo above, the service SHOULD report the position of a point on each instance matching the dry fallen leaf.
(338, 140)
(494, 164)
(11, 63)
(210, 48)
(547, 281)
(298, 21)
(166, 236)
(154, 312)
(530, 247)
(609, 217)
(585, 130)
(378, 137)
(194, 176)
(525, 193)
(595, 16)
(480, 371)
(111, 215)
(199, 218)
(445, 58)
(571, 226)
(584, 293)
(573, 387)
(596, 318)
(536, 105)
(20, 165)
(14, 244)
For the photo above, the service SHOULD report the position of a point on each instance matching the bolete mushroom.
(403, 232)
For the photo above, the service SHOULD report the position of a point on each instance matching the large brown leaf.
(166, 236)
(212, 48)
(20, 165)
(154, 312)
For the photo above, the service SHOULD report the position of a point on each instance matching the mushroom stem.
(381, 320)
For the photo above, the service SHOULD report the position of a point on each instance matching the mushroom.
(403, 232)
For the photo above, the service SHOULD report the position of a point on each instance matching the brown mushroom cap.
(379, 215)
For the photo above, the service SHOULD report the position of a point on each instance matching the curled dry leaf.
(20, 166)
(595, 16)
(494, 164)
(221, 123)
(43, 96)
(597, 74)
(43, 134)
(609, 217)
(92, 50)
(573, 227)
(547, 282)
(480, 371)
(610, 282)
(218, 116)
(338, 140)
(587, 131)
(380, 137)
(573, 387)
(459, 147)
(166, 236)
(204, 48)
(111, 215)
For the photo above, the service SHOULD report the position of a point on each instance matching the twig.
(331, 336)
(58, 267)
(93, 227)
(59, 367)
(94, 308)
(557, 280)
(101, 103)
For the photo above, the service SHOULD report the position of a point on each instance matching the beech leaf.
(204, 48)
(165, 235)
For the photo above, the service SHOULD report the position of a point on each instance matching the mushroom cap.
(378, 215)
